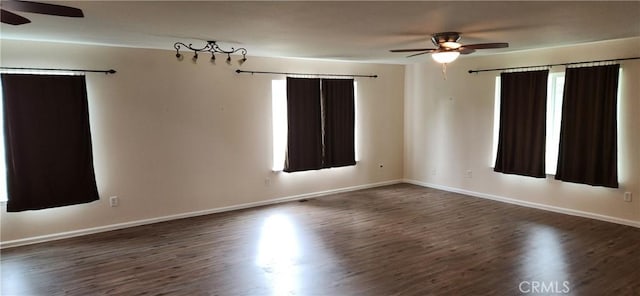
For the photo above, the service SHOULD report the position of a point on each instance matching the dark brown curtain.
(523, 107)
(588, 136)
(339, 122)
(304, 144)
(47, 142)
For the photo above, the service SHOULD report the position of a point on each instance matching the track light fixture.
(213, 48)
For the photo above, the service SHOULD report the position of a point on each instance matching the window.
(279, 122)
(3, 164)
(555, 88)
(48, 141)
(279, 119)
(587, 153)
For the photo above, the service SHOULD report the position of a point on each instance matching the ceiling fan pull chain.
(444, 71)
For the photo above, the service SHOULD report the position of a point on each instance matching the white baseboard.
(529, 204)
(74, 233)
(81, 232)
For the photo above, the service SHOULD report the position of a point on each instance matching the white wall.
(175, 137)
(449, 130)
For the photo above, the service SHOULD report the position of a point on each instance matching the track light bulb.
(178, 55)
(195, 57)
(228, 59)
(241, 61)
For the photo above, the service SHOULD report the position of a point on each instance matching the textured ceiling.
(358, 31)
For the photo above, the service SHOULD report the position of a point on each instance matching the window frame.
(555, 90)
(279, 124)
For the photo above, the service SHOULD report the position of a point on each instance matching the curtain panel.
(522, 133)
(304, 121)
(47, 142)
(588, 133)
(339, 122)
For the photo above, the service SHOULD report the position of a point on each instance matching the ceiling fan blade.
(465, 50)
(11, 18)
(420, 53)
(487, 45)
(410, 50)
(42, 8)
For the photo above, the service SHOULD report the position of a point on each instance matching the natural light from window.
(279, 122)
(555, 88)
(279, 118)
(279, 254)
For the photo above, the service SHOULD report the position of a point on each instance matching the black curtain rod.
(551, 65)
(110, 71)
(308, 74)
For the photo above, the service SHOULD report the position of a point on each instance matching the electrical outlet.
(267, 181)
(113, 201)
(627, 196)
(434, 172)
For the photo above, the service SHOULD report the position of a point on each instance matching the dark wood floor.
(393, 240)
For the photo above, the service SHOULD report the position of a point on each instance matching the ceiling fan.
(8, 17)
(448, 48)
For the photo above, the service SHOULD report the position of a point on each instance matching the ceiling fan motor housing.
(443, 37)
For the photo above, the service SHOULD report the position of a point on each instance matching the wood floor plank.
(393, 240)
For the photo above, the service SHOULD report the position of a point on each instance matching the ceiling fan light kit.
(445, 57)
(213, 48)
(451, 45)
